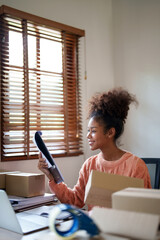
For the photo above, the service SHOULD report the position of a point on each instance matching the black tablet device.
(45, 153)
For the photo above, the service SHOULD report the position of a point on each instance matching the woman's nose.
(88, 134)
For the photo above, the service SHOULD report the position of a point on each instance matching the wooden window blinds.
(39, 85)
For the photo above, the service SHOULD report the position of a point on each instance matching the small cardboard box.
(100, 187)
(3, 177)
(137, 200)
(25, 184)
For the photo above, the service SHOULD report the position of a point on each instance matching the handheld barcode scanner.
(74, 220)
(45, 153)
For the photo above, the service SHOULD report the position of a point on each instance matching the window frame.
(66, 30)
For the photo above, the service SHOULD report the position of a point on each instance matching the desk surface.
(9, 235)
(46, 234)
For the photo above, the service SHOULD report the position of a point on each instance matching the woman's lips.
(91, 143)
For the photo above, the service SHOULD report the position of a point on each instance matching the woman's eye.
(91, 131)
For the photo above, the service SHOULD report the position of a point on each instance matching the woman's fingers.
(43, 166)
(42, 162)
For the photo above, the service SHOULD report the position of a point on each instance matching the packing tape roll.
(73, 218)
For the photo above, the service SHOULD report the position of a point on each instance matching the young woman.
(107, 116)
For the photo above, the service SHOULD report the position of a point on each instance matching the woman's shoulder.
(136, 161)
(90, 163)
(130, 156)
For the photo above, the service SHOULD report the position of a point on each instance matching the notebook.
(22, 222)
(53, 168)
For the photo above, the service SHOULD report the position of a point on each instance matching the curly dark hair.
(111, 109)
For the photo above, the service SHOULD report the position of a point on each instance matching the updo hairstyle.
(110, 109)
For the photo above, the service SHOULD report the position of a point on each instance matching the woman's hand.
(43, 166)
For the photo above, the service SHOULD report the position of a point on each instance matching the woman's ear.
(111, 132)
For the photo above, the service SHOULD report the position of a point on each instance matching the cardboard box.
(137, 200)
(3, 177)
(100, 187)
(132, 225)
(25, 184)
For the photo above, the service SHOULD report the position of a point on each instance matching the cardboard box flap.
(113, 181)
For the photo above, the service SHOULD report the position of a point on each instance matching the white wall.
(95, 17)
(136, 34)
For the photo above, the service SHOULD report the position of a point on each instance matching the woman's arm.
(65, 194)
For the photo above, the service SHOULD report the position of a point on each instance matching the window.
(39, 82)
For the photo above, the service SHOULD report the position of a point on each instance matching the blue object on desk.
(81, 221)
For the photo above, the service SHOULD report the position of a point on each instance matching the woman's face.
(97, 139)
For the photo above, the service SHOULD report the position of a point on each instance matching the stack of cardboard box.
(122, 206)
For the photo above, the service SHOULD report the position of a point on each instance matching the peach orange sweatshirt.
(128, 165)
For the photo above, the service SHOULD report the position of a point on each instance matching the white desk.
(9, 235)
(47, 235)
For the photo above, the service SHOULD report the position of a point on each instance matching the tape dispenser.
(73, 219)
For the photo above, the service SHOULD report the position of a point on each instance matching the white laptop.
(23, 222)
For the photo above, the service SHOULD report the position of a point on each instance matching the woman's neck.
(113, 153)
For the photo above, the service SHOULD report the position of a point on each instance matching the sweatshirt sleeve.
(67, 195)
(141, 171)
